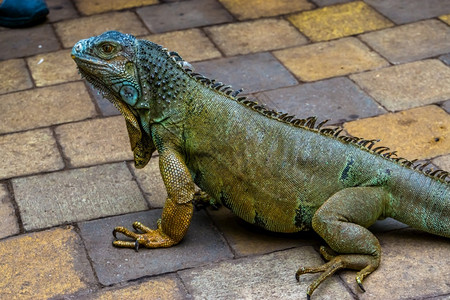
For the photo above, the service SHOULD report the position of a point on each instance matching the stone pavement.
(380, 68)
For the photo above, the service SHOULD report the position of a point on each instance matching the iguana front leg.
(178, 209)
(341, 221)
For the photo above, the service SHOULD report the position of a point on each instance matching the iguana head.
(108, 62)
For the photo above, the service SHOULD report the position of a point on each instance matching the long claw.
(361, 286)
(136, 246)
(114, 233)
(308, 297)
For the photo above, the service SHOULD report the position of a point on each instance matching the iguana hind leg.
(341, 221)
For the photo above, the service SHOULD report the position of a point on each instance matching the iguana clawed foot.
(149, 238)
(365, 263)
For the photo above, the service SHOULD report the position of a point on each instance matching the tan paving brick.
(76, 195)
(268, 276)
(95, 141)
(408, 85)
(29, 152)
(329, 59)
(252, 9)
(164, 288)
(410, 42)
(52, 68)
(8, 219)
(338, 21)
(60, 10)
(414, 265)
(43, 265)
(150, 181)
(445, 18)
(421, 133)
(88, 7)
(71, 31)
(14, 76)
(45, 106)
(255, 36)
(191, 44)
(443, 162)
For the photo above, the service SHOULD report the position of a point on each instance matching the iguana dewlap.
(272, 170)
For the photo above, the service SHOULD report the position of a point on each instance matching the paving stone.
(88, 7)
(60, 10)
(151, 183)
(337, 99)
(414, 265)
(338, 21)
(408, 85)
(164, 288)
(407, 11)
(330, 2)
(255, 36)
(201, 245)
(188, 14)
(71, 31)
(446, 59)
(105, 106)
(252, 9)
(75, 195)
(53, 68)
(446, 106)
(95, 141)
(252, 72)
(44, 107)
(445, 18)
(8, 219)
(42, 265)
(330, 59)
(410, 42)
(29, 152)
(27, 41)
(191, 44)
(416, 133)
(269, 276)
(442, 162)
(246, 239)
(14, 76)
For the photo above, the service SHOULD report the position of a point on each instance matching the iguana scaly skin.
(280, 173)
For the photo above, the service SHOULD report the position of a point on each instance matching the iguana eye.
(107, 48)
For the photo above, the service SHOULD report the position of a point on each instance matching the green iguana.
(280, 173)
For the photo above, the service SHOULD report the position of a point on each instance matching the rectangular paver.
(43, 265)
(191, 44)
(269, 276)
(338, 21)
(29, 152)
(71, 31)
(414, 265)
(337, 99)
(183, 15)
(252, 72)
(255, 36)
(416, 133)
(202, 244)
(53, 68)
(151, 183)
(408, 85)
(252, 9)
(330, 59)
(410, 42)
(95, 141)
(8, 220)
(44, 107)
(88, 7)
(14, 76)
(82, 194)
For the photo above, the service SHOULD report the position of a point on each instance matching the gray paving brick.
(82, 194)
(446, 59)
(337, 99)
(202, 244)
(407, 11)
(161, 18)
(414, 265)
(446, 106)
(106, 107)
(410, 42)
(60, 10)
(252, 72)
(442, 162)
(14, 76)
(8, 219)
(151, 183)
(269, 276)
(408, 85)
(27, 41)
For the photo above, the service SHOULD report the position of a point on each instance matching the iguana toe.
(149, 238)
